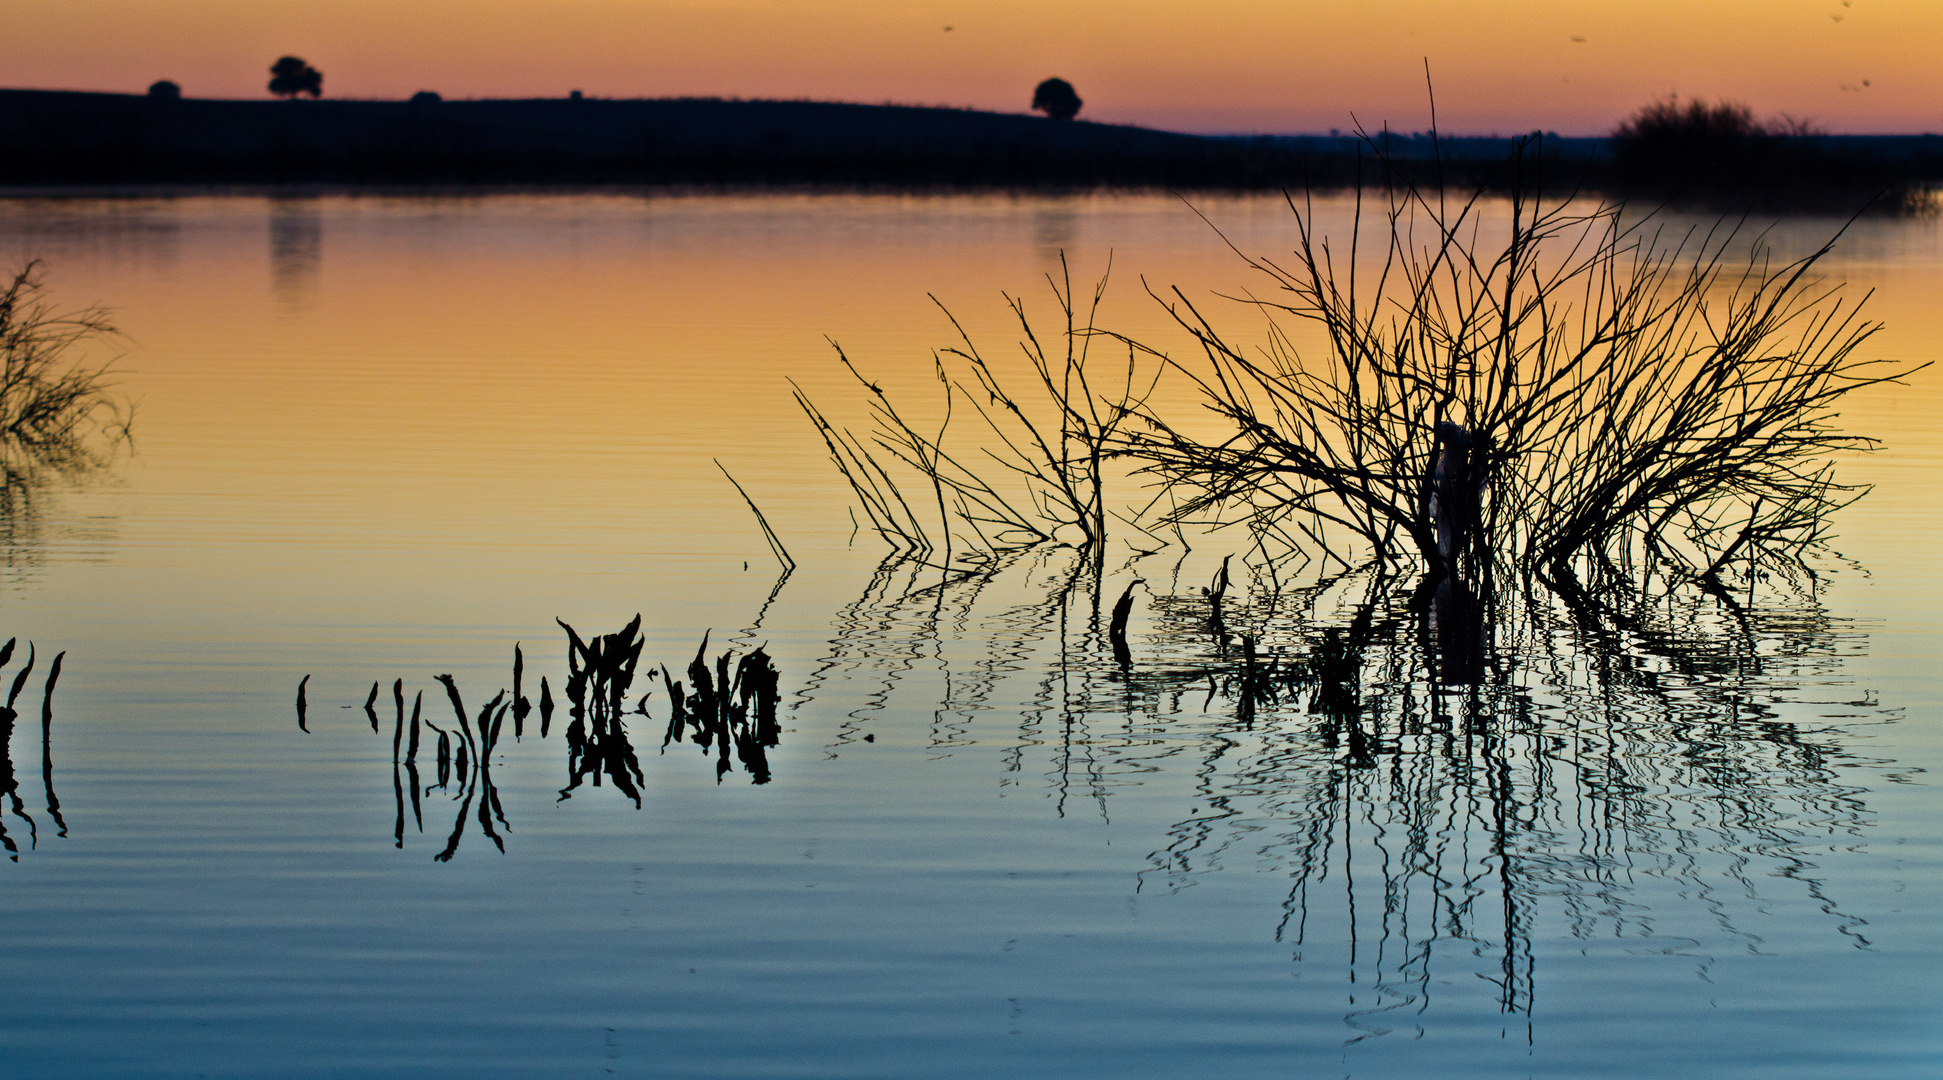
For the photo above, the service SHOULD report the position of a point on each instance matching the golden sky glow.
(1574, 66)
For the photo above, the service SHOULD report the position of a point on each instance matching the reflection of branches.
(1583, 770)
(1438, 788)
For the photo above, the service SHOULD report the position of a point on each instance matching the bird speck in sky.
(1578, 39)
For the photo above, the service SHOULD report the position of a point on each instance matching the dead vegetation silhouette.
(9, 778)
(729, 711)
(1439, 801)
(1528, 525)
(1526, 389)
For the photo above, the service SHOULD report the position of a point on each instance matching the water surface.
(390, 438)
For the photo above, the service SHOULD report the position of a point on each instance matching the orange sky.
(1574, 66)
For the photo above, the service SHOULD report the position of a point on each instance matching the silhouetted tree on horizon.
(164, 90)
(290, 76)
(1056, 98)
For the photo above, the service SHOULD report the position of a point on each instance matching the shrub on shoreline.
(1718, 155)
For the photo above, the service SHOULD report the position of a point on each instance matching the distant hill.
(68, 138)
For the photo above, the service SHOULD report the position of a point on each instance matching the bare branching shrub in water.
(1563, 388)
(57, 409)
(1038, 474)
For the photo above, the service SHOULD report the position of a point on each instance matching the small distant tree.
(164, 90)
(1055, 98)
(290, 76)
(426, 97)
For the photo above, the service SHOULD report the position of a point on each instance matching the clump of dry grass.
(58, 409)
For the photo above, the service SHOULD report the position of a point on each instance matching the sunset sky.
(1573, 66)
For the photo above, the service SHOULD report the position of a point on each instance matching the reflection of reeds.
(9, 780)
(1558, 792)
(1599, 752)
(722, 711)
(732, 710)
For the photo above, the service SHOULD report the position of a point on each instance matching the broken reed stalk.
(1621, 393)
(769, 534)
(1052, 444)
(890, 515)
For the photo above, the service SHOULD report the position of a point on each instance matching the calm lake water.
(384, 439)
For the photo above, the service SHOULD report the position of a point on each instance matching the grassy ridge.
(59, 138)
(65, 138)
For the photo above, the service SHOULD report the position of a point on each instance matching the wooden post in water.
(1456, 484)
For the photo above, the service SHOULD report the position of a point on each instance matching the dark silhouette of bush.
(164, 90)
(426, 97)
(1717, 154)
(1056, 98)
(1671, 147)
(290, 76)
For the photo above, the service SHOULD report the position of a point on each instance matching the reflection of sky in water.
(984, 850)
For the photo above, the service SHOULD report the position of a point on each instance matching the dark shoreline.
(60, 139)
(56, 143)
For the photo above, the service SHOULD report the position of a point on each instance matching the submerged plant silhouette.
(727, 711)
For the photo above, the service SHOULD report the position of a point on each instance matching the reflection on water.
(9, 778)
(731, 708)
(1596, 815)
(1438, 789)
(296, 250)
(63, 423)
(1055, 229)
